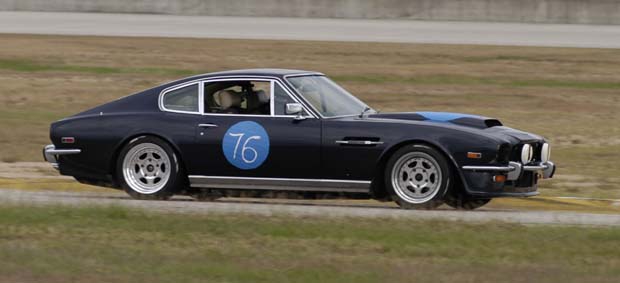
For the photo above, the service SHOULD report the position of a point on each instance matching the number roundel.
(246, 145)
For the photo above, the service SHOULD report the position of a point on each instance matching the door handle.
(208, 125)
(359, 142)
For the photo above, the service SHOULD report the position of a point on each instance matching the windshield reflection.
(327, 97)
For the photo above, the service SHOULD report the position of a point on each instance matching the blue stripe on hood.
(444, 116)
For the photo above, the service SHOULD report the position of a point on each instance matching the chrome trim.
(208, 125)
(535, 167)
(548, 169)
(548, 173)
(272, 98)
(304, 75)
(50, 154)
(293, 108)
(359, 142)
(201, 98)
(204, 80)
(163, 93)
(64, 151)
(489, 168)
(282, 184)
(514, 174)
(514, 169)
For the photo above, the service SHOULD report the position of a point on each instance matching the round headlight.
(526, 154)
(545, 153)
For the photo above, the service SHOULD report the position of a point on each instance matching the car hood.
(490, 127)
(466, 120)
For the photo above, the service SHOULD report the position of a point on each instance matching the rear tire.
(417, 177)
(148, 169)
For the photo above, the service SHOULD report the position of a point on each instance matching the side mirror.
(295, 109)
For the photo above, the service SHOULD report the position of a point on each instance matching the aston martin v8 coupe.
(272, 132)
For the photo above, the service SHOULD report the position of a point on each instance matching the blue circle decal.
(246, 145)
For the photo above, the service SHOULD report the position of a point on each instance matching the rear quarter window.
(183, 99)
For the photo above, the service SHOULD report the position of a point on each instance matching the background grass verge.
(113, 244)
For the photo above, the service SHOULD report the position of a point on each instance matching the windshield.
(327, 97)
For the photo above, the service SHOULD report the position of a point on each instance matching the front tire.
(148, 169)
(417, 177)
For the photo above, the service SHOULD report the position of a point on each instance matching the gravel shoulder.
(187, 206)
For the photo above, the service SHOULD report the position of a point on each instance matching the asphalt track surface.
(404, 31)
(283, 207)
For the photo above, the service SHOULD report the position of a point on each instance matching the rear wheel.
(417, 177)
(147, 168)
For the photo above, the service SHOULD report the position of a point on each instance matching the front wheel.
(147, 168)
(417, 177)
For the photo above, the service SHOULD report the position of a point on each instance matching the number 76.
(245, 147)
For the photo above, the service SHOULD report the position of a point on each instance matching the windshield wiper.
(366, 110)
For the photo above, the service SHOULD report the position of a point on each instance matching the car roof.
(258, 72)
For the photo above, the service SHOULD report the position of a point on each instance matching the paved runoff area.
(404, 31)
(184, 205)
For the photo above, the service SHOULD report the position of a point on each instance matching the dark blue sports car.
(271, 132)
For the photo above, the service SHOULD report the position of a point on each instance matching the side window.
(238, 97)
(182, 99)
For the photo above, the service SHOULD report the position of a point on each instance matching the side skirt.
(279, 184)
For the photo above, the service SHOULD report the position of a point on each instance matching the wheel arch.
(124, 142)
(378, 185)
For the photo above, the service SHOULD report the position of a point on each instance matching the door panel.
(227, 148)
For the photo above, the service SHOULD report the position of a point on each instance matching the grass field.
(111, 244)
(571, 96)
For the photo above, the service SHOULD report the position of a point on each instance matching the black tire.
(458, 200)
(406, 197)
(169, 164)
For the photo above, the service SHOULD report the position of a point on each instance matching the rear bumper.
(51, 154)
(521, 180)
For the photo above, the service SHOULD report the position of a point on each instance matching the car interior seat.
(229, 101)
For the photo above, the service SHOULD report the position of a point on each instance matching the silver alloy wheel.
(146, 168)
(416, 177)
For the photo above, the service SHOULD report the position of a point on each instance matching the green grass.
(112, 244)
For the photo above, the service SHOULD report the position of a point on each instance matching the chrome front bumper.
(50, 154)
(514, 169)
